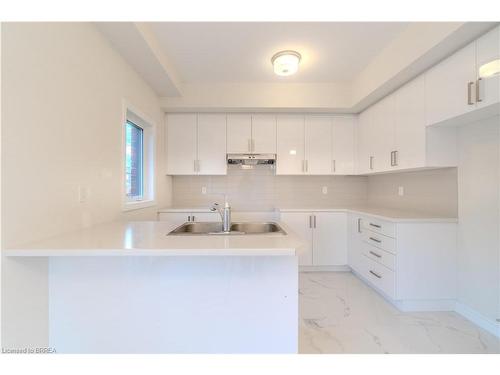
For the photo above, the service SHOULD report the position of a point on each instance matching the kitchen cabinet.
(409, 150)
(318, 145)
(179, 218)
(212, 144)
(364, 143)
(449, 85)
(239, 133)
(251, 134)
(324, 235)
(382, 130)
(343, 145)
(487, 50)
(410, 263)
(181, 144)
(196, 144)
(290, 145)
(264, 134)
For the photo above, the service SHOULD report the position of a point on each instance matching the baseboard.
(478, 319)
(343, 268)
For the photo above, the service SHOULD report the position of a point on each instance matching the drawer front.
(380, 256)
(379, 226)
(380, 241)
(380, 277)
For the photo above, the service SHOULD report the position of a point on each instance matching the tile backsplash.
(431, 191)
(261, 190)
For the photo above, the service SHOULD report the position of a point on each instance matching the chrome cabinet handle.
(375, 240)
(469, 93)
(189, 217)
(193, 218)
(375, 254)
(334, 166)
(396, 153)
(478, 88)
(307, 166)
(310, 221)
(371, 162)
(375, 274)
(359, 225)
(394, 161)
(314, 221)
(375, 225)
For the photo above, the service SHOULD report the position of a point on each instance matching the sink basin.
(210, 228)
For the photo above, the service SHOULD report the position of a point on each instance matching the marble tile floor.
(341, 314)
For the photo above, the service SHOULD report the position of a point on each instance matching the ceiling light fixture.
(286, 63)
(490, 69)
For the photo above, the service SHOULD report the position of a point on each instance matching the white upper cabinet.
(382, 131)
(212, 144)
(263, 134)
(364, 142)
(181, 144)
(290, 144)
(450, 86)
(318, 145)
(239, 133)
(409, 118)
(487, 50)
(196, 144)
(343, 145)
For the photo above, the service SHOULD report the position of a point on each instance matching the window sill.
(136, 205)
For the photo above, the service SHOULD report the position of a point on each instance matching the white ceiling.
(219, 52)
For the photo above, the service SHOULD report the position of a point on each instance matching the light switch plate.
(401, 191)
(203, 190)
(324, 190)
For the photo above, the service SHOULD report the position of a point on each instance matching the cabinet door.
(487, 50)
(343, 145)
(300, 224)
(239, 134)
(205, 216)
(318, 145)
(363, 144)
(212, 144)
(354, 252)
(290, 145)
(382, 139)
(446, 86)
(181, 144)
(264, 134)
(329, 238)
(410, 125)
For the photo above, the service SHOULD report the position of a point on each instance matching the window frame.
(136, 117)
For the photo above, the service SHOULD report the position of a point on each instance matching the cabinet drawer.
(380, 256)
(380, 241)
(380, 277)
(379, 226)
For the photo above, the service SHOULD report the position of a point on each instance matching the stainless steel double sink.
(215, 228)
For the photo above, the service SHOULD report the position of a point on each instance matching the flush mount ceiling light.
(286, 63)
(489, 69)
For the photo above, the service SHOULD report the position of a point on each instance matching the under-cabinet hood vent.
(251, 161)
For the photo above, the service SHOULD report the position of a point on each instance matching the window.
(138, 138)
(134, 147)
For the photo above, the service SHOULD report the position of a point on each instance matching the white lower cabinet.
(179, 218)
(324, 235)
(413, 264)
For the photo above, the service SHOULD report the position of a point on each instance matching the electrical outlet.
(203, 190)
(401, 191)
(324, 190)
(83, 194)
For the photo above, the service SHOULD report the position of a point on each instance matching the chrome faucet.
(224, 213)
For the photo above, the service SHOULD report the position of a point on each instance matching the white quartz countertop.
(149, 238)
(388, 214)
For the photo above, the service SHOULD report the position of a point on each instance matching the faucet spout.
(225, 214)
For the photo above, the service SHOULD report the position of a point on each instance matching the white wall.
(62, 92)
(478, 208)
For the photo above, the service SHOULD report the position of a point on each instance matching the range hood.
(250, 161)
